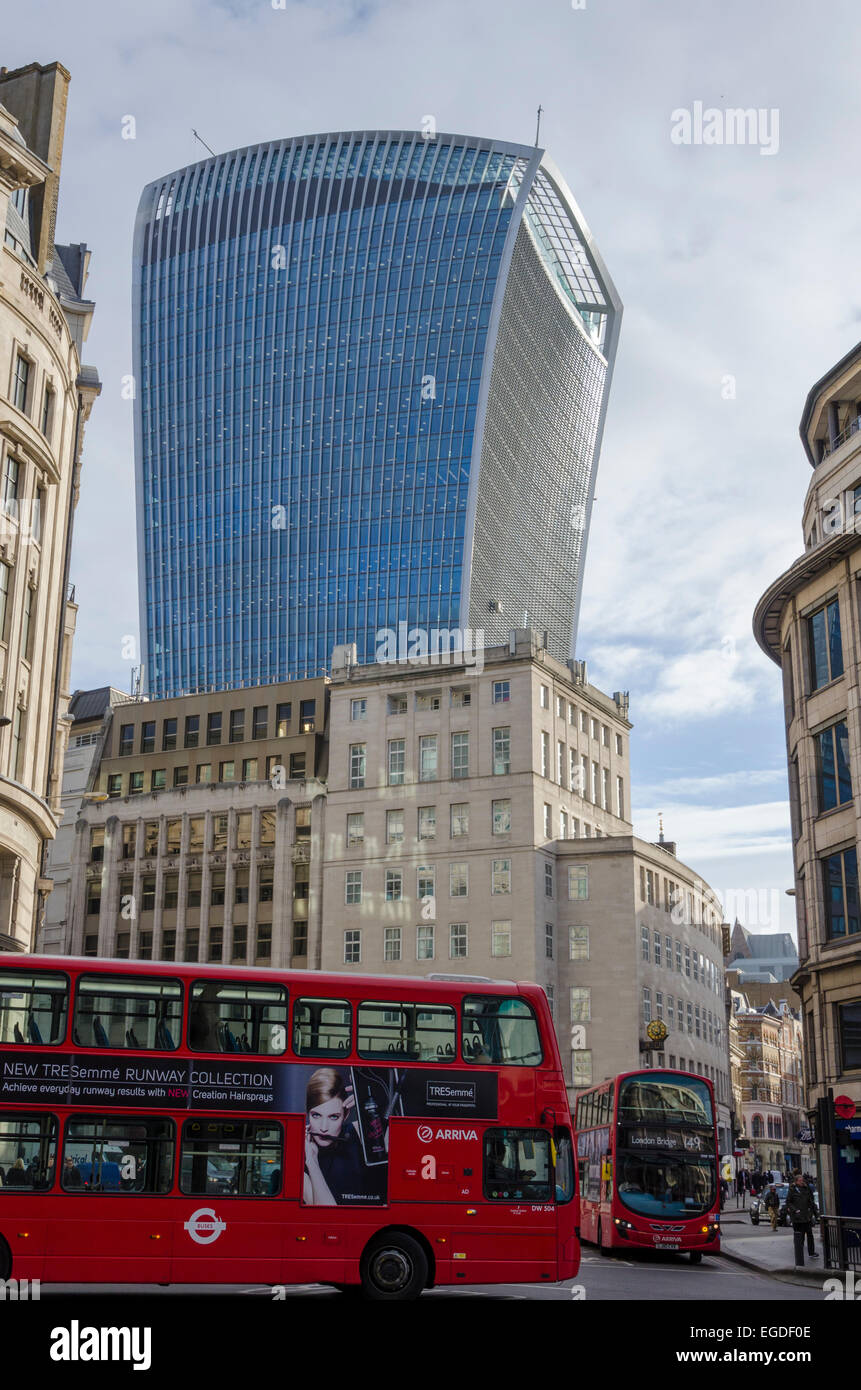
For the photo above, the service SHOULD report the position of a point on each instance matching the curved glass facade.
(327, 438)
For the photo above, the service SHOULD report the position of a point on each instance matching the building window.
(545, 754)
(563, 825)
(249, 769)
(581, 1068)
(158, 780)
(644, 943)
(426, 884)
(352, 947)
(690, 1009)
(688, 961)
(192, 730)
(605, 789)
(457, 941)
(548, 821)
(620, 798)
(227, 771)
(427, 823)
(578, 883)
(560, 764)
(850, 1035)
(460, 697)
(203, 772)
(353, 887)
(21, 382)
(428, 757)
(459, 755)
(502, 817)
(428, 700)
(459, 819)
(307, 715)
(458, 880)
(358, 709)
(391, 943)
(259, 721)
(425, 941)
(397, 761)
(297, 765)
(501, 752)
(659, 1004)
(835, 783)
(500, 938)
(657, 948)
(578, 942)
(500, 876)
(356, 828)
(548, 940)
(11, 474)
(115, 784)
(213, 728)
(396, 704)
(841, 894)
(501, 692)
(826, 647)
(358, 754)
(135, 783)
(168, 735)
(394, 827)
(394, 885)
(237, 725)
(647, 1005)
(548, 879)
(544, 697)
(581, 1003)
(148, 736)
(283, 714)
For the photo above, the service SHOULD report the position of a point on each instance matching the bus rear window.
(28, 1151)
(232, 1016)
(517, 1165)
(322, 1027)
(500, 1031)
(128, 1011)
(33, 1008)
(407, 1032)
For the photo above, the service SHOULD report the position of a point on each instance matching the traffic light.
(726, 936)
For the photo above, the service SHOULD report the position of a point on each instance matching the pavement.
(770, 1252)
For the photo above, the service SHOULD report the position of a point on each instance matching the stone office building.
(203, 844)
(46, 395)
(444, 818)
(807, 622)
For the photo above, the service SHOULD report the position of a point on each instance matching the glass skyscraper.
(372, 372)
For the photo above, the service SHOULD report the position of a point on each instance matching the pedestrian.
(801, 1212)
(724, 1189)
(772, 1205)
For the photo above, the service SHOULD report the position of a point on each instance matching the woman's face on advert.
(325, 1121)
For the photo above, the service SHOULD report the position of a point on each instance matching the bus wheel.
(394, 1267)
(5, 1260)
(604, 1249)
(696, 1257)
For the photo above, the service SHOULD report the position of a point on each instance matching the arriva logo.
(204, 1226)
(426, 1133)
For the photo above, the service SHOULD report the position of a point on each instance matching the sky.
(729, 259)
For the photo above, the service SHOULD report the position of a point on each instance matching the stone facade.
(45, 400)
(808, 623)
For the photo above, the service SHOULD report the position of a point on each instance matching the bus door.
(231, 1224)
(112, 1217)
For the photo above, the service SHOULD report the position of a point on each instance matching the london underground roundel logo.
(204, 1226)
(425, 1133)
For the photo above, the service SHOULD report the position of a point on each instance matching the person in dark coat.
(801, 1211)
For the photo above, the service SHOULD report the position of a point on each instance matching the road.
(655, 1277)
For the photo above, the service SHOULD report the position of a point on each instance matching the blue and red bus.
(183, 1123)
(648, 1163)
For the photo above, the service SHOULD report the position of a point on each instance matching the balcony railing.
(830, 446)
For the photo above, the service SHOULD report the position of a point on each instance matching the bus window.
(564, 1166)
(517, 1165)
(232, 1016)
(33, 1008)
(394, 1032)
(127, 1154)
(322, 1027)
(231, 1158)
(128, 1011)
(28, 1151)
(501, 1031)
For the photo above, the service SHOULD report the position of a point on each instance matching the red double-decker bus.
(648, 1163)
(166, 1123)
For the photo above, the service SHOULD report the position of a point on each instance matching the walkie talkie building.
(372, 373)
